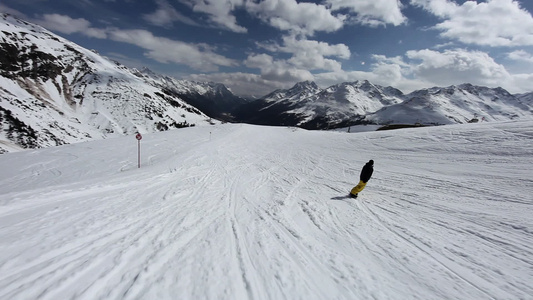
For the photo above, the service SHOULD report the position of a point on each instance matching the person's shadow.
(341, 198)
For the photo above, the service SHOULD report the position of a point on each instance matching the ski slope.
(247, 212)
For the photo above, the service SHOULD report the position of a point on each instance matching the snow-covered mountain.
(54, 92)
(308, 106)
(456, 104)
(213, 99)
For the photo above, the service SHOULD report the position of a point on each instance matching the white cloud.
(285, 75)
(440, 8)
(425, 68)
(297, 18)
(307, 56)
(521, 83)
(166, 50)
(68, 25)
(311, 55)
(197, 56)
(166, 15)
(372, 12)
(491, 23)
(384, 60)
(277, 70)
(296, 46)
(457, 66)
(219, 12)
(259, 61)
(521, 55)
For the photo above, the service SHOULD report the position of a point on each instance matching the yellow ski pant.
(359, 187)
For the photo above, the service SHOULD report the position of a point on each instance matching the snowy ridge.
(250, 212)
(54, 92)
(349, 100)
(306, 105)
(361, 102)
(456, 104)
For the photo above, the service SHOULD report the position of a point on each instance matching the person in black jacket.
(366, 173)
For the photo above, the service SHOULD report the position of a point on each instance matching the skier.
(366, 173)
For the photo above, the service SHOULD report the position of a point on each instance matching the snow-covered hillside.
(249, 212)
(53, 92)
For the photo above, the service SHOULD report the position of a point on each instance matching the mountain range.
(54, 92)
(361, 102)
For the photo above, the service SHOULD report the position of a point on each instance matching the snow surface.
(249, 212)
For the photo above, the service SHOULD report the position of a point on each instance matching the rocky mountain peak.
(305, 86)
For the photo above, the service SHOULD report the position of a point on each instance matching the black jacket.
(367, 171)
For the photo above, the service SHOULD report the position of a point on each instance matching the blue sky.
(255, 47)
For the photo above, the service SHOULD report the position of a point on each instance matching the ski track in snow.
(250, 212)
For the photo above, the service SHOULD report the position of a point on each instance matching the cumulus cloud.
(220, 12)
(306, 56)
(288, 15)
(457, 66)
(419, 69)
(298, 18)
(259, 61)
(166, 15)
(521, 83)
(311, 54)
(295, 46)
(277, 70)
(372, 12)
(521, 55)
(491, 23)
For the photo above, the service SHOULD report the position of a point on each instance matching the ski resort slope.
(250, 212)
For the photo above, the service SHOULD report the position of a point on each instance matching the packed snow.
(237, 211)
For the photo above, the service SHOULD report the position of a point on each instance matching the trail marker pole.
(139, 137)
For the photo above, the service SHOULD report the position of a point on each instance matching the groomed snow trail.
(250, 212)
